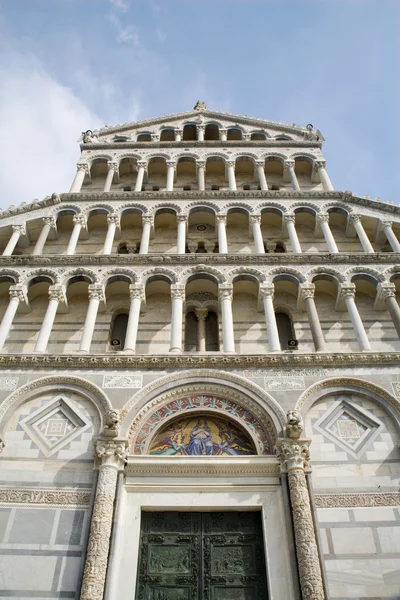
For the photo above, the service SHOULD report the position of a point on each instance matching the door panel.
(201, 556)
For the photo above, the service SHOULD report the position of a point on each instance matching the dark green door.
(201, 556)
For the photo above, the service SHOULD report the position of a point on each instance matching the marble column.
(177, 300)
(181, 241)
(260, 164)
(294, 455)
(222, 239)
(56, 296)
(323, 220)
(223, 134)
(110, 456)
(362, 236)
(200, 129)
(178, 134)
(319, 166)
(307, 292)
(82, 171)
(96, 295)
(348, 291)
(79, 223)
(171, 168)
(17, 231)
(137, 296)
(113, 222)
(146, 231)
(289, 221)
(201, 176)
(112, 169)
(226, 297)
(49, 223)
(388, 291)
(140, 175)
(257, 234)
(289, 165)
(390, 235)
(267, 292)
(17, 294)
(231, 175)
(201, 314)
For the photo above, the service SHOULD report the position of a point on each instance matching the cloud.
(125, 35)
(40, 121)
(162, 36)
(120, 4)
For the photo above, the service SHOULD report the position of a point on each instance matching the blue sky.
(70, 65)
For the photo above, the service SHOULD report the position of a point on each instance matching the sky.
(71, 65)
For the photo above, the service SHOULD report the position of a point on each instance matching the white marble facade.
(188, 253)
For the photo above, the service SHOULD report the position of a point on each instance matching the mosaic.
(262, 437)
(202, 436)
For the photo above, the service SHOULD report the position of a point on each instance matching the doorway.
(201, 556)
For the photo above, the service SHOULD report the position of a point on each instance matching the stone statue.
(294, 424)
(311, 135)
(200, 106)
(112, 424)
(89, 137)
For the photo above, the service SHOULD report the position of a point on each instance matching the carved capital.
(201, 128)
(221, 219)
(113, 219)
(200, 164)
(57, 292)
(259, 163)
(177, 292)
(96, 292)
(291, 218)
(231, 164)
(289, 164)
(201, 313)
(267, 291)
(385, 224)
(142, 163)
(293, 454)
(147, 220)
(50, 221)
(155, 137)
(354, 218)
(171, 164)
(79, 220)
(225, 292)
(307, 290)
(347, 290)
(178, 131)
(323, 218)
(255, 219)
(112, 166)
(246, 136)
(111, 453)
(181, 218)
(387, 290)
(83, 167)
(21, 229)
(319, 164)
(17, 291)
(136, 291)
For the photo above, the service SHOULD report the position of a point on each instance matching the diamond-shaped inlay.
(348, 425)
(53, 426)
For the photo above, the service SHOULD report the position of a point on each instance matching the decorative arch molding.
(308, 155)
(187, 155)
(155, 271)
(159, 392)
(325, 271)
(360, 270)
(124, 208)
(94, 277)
(63, 207)
(230, 206)
(295, 205)
(388, 273)
(245, 155)
(329, 205)
(231, 275)
(278, 155)
(55, 276)
(266, 205)
(350, 384)
(134, 155)
(198, 269)
(99, 157)
(90, 209)
(129, 273)
(162, 155)
(286, 271)
(200, 204)
(55, 383)
(210, 155)
(156, 209)
(10, 273)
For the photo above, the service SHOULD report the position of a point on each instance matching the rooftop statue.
(89, 137)
(200, 106)
(312, 134)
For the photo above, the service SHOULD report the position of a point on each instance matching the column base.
(175, 350)
(128, 351)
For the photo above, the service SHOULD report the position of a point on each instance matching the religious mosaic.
(202, 436)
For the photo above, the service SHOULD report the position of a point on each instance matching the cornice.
(206, 144)
(135, 260)
(357, 499)
(34, 205)
(54, 497)
(190, 361)
(203, 113)
(191, 466)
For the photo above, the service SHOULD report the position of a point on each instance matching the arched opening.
(77, 296)
(303, 170)
(271, 228)
(5, 282)
(165, 231)
(305, 227)
(186, 173)
(65, 225)
(154, 331)
(167, 135)
(201, 230)
(274, 173)
(144, 137)
(98, 174)
(157, 173)
(336, 326)
(238, 231)
(131, 230)
(127, 173)
(27, 326)
(97, 228)
(118, 331)
(285, 329)
(245, 173)
(249, 326)
(189, 133)
(258, 136)
(293, 324)
(211, 132)
(378, 324)
(201, 323)
(234, 133)
(338, 219)
(118, 303)
(215, 173)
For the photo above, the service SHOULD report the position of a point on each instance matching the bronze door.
(201, 556)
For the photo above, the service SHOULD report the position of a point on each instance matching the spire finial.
(200, 105)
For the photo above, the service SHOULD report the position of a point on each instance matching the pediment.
(128, 131)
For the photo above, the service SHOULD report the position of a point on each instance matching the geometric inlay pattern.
(349, 426)
(55, 425)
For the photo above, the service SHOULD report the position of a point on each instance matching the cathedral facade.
(200, 382)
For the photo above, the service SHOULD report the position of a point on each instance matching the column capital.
(387, 290)
(225, 291)
(112, 165)
(177, 292)
(323, 218)
(223, 130)
(267, 290)
(57, 292)
(51, 221)
(246, 136)
(255, 219)
(21, 229)
(171, 163)
(178, 130)
(155, 137)
(289, 218)
(385, 224)
(136, 290)
(347, 289)
(260, 163)
(18, 291)
(147, 219)
(231, 164)
(307, 290)
(182, 218)
(142, 163)
(319, 164)
(289, 164)
(201, 313)
(96, 292)
(354, 218)
(111, 453)
(200, 164)
(83, 167)
(113, 218)
(79, 219)
(221, 218)
(200, 128)
(293, 454)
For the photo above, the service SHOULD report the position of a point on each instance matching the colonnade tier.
(288, 229)
(58, 298)
(248, 166)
